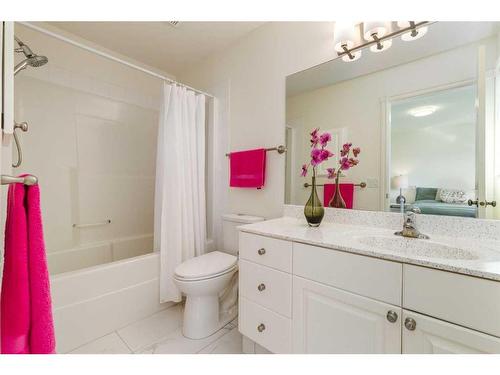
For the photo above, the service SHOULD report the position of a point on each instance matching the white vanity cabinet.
(426, 335)
(330, 320)
(298, 298)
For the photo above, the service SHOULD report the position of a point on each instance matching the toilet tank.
(229, 232)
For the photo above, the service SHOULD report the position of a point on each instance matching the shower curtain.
(180, 223)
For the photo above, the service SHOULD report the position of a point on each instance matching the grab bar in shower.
(26, 180)
(86, 225)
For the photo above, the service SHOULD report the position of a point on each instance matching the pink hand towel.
(346, 190)
(248, 168)
(26, 311)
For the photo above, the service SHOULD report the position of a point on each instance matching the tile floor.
(161, 334)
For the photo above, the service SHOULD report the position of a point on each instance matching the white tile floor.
(161, 334)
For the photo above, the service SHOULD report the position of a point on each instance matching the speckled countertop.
(475, 257)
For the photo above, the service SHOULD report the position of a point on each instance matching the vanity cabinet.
(426, 335)
(298, 298)
(330, 320)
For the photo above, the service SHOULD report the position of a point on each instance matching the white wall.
(436, 156)
(249, 80)
(92, 143)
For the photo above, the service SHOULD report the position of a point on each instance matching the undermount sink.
(417, 247)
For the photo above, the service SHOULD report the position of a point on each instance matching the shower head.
(32, 59)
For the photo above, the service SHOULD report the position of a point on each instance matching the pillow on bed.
(425, 194)
(452, 196)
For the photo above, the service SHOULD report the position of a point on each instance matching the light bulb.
(378, 28)
(344, 35)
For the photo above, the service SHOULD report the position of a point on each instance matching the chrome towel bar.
(281, 149)
(86, 225)
(28, 180)
(361, 185)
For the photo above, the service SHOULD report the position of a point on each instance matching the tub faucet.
(410, 225)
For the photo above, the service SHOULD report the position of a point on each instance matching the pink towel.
(248, 168)
(346, 190)
(26, 311)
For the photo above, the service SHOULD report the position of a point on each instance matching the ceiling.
(454, 106)
(159, 44)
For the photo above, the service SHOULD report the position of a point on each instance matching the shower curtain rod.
(110, 57)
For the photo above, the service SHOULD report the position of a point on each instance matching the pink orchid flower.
(303, 173)
(316, 156)
(346, 147)
(315, 137)
(331, 172)
(324, 139)
(325, 154)
(344, 164)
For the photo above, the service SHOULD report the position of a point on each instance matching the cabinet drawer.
(267, 287)
(275, 330)
(369, 277)
(267, 251)
(460, 299)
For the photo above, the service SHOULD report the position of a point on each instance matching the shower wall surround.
(92, 142)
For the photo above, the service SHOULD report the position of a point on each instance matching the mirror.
(423, 115)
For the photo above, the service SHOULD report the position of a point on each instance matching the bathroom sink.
(417, 247)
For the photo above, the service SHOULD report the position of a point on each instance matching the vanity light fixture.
(414, 33)
(374, 32)
(346, 37)
(423, 111)
(351, 38)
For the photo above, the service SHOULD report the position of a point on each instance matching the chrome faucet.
(410, 224)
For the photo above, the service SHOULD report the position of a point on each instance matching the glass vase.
(313, 210)
(337, 201)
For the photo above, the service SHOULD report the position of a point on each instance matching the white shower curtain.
(180, 223)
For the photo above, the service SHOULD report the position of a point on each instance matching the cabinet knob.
(261, 327)
(261, 287)
(261, 251)
(410, 324)
(392, 316)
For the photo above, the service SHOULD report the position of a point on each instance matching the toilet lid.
(206, 265)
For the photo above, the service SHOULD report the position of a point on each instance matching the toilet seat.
(206, 266)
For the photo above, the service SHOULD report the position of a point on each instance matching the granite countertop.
(474, 257)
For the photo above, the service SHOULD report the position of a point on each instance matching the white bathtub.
(95, 301)
(97, 253)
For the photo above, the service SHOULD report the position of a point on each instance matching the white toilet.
(210, 284)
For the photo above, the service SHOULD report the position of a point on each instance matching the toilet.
(209, 282)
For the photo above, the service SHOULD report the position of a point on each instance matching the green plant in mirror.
(313, 210)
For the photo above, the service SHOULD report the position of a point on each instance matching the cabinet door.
(426, 335)
(329, 320)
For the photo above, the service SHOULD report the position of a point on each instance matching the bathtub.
(98, 300)
(97, 253)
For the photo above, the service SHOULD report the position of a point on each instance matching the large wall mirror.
(423, 114)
